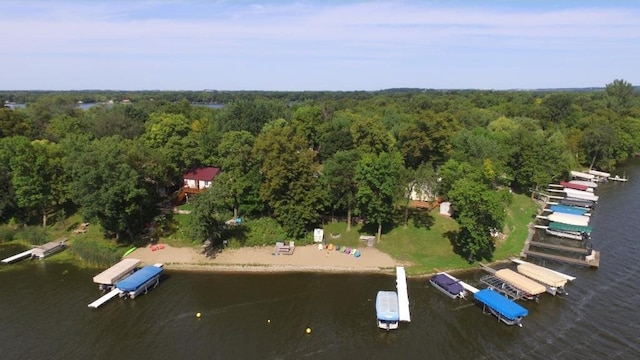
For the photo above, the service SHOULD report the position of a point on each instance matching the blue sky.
(317, 45)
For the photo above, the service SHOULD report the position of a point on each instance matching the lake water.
(44, 313)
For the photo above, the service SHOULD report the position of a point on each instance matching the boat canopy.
(387, 306)
(542, 274)
(521, 282)
(590, 184)
(582, 175)
(116, 272)
(138, 278)
(505, 307)
(568, 227)
(601, 174)
(566, 209)
(579, 194)
(574, 186)
(450, 285)
(570, 219)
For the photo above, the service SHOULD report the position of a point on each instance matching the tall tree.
(340, 176)
(39, 180)
(290, 184)
(479, 212)
(239, 171)
(619, 96)
(110, 187)
(378, 184)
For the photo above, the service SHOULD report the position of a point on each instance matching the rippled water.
(44, 314)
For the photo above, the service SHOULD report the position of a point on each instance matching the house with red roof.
(200, 178)
(196, 181)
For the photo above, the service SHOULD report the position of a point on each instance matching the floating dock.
(50, 248)
(106, 297)
(403, 294)
(17, 257)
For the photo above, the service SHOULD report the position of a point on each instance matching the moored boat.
(140, 281)
(387, 310)
(504, 309)
(448, 285)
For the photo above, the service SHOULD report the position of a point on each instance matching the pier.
(577, 250)
(106, 297)
(403, 295)
(592, 260)
(17, 257)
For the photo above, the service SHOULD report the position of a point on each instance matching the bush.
(7, 233)
(260, 232)
(96, 253)
(33, 235)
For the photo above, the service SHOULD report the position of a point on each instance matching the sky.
(317, 45)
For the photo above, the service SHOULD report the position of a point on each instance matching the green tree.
(290, 184)
(421, 181)
(479, 212)
(206, 221)
(378, 184)
(619, 96)
(339, 173)
(239, 171)
(39, 180)
(370, 136)
(111, 187)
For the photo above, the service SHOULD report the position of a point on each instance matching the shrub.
(7, 233)
(96, 253)
(33, 235)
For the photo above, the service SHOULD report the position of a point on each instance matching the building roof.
(203, 173)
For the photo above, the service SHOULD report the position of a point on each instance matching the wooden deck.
(583, 262)
(578, 250)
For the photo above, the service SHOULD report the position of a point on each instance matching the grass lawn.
(429, 249)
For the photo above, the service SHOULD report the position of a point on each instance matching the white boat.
(618, 178)
(387, 310)
(582, 175)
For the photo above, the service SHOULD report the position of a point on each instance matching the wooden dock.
(578, 250)
(592, 262)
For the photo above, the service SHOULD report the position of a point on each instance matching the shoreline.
(306, 258)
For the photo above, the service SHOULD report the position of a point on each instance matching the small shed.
(445, 208)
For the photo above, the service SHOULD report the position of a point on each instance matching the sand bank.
(304, 258)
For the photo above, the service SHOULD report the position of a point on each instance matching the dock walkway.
(403, 295)
(592, 261)
(578, 250)
(19, 256)
(106, 297)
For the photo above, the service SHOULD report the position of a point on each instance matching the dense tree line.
(298, 156)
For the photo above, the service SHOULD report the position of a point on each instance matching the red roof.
(203, 173)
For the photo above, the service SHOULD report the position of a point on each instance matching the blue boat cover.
(138, 278)
(568, 209)
(501, 304)
(387, 306)
(451, 286)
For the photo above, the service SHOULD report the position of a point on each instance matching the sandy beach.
(304, 258)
